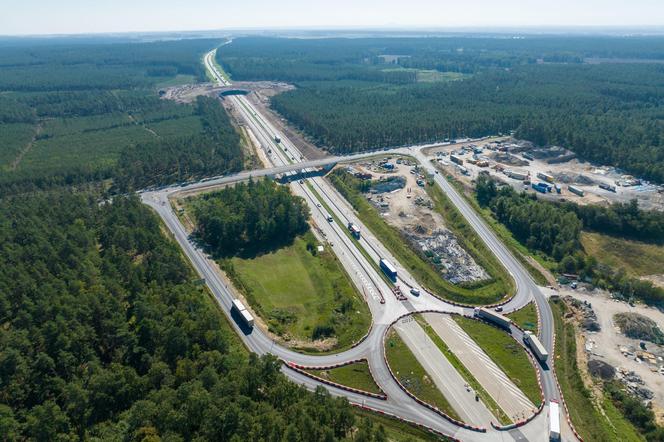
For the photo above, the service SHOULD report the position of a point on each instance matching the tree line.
(106, 336)
(250, 218)
(555, 231)
(609, 113)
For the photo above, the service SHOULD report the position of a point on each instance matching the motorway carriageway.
(365, 275)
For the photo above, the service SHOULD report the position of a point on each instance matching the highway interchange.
(383, 304)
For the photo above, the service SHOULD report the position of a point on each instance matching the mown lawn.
(526, 318)
(412, 375)
(506, 353)
(591, 423)
(355, 375)
(295, 291)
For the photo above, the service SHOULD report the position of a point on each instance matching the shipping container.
(517, 175)
(456, 159)
(545, 177)
(575, 190)
(388, 269)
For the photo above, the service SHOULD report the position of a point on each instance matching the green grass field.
(591, 423)
(506, 353)
(526, 318)
(355, 375)
(412, 375)
(486, 398)
(637, 258)
(295, 292)
(423, 271)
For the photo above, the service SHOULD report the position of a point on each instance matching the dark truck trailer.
(388, 269)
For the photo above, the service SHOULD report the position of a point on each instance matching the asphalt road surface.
(286, 158)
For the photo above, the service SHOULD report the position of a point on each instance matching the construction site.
(553, 172)
(398, 190)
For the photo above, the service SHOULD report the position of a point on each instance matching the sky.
(20, 17)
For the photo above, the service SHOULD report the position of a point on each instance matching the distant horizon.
(608, 30)
(82, 17)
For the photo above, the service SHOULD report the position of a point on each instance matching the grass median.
(486, 398)
(422, 270)
(413, 376)
(356, 375)
(507, 354)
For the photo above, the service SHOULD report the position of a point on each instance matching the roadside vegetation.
(486, 398)
(491, 291)
(635, 257)
(596, 419)
(525, 317)
(355, 375)
(508, 355)
(412, 375)
(553, 231)
(393, 430)
(259, 233)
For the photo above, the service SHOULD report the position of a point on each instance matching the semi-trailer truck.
(354, 230)
(554, 421)
(244, 314)
(494, 317)
(388, 269)
(536, 346)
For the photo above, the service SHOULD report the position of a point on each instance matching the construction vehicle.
(575, 190)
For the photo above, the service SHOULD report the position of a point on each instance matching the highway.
(384, 306)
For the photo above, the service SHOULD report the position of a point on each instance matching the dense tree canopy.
(554, 230)
(541, 87)
(105, 335)
(250, 218)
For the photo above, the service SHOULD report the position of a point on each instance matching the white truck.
(554, 421)
(491, 316)
(244, 314)
(535, 345)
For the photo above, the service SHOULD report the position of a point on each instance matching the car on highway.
(499, 309)
(414, 292)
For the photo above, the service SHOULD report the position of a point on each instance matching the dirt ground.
(608, 344)
(411, 210)
(580, 174)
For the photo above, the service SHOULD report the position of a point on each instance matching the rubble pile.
(444, 251)
(588, 318)
(634, 384)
